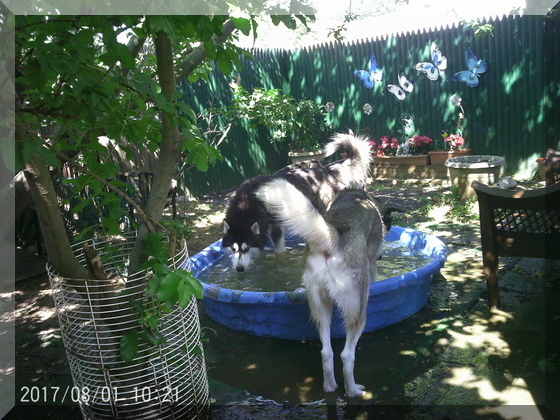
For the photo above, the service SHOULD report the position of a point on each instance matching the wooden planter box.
(414, 160)
(303, 156)
(406, 167)
(439, 157)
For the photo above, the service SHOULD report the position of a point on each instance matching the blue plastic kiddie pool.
(286, 314)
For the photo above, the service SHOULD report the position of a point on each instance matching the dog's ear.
(388, 216)
(225, 227)
(255, 228)
(390, 210)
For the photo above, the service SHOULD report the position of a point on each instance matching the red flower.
(419, 144)
(387, 146)
(454, 140)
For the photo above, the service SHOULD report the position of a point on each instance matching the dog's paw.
(329, 386)
(356, 391)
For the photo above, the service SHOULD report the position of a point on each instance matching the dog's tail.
(358, 159)
(297, 214)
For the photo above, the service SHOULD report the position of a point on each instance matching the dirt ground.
(40, 358)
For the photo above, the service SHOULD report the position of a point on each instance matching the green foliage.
(166, 288)
(301, 123)
(480, 29)
(76, 81)
(129, 346)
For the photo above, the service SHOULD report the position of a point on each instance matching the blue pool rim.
(286, 315)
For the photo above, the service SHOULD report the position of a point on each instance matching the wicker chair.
(516, 223)
(552, 167)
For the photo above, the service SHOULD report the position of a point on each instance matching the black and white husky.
(343, 246)
(248, 224)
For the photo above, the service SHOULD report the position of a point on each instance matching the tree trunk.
(169, 151)
(50, 219)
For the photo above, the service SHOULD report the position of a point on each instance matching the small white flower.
(368, 109)
(329, 107)
(456, 100)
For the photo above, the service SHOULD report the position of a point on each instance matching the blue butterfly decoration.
(372, 75)
(470, 76)
(436, 66)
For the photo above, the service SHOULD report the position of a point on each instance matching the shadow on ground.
(454, 359)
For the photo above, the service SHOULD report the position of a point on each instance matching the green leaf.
(161, 269)
(140, 87)
(110, 224)
(187, 110)
(155, 247)
(49, 157)
(185, 294)
(193, 283)
(225, 65)
(210, 50)
(153, 285)
(161, 100)
(124, 55)
(129, 346)
(152, 322)
(84, 202)
(84, 233)
(243, 24)
(167, 289)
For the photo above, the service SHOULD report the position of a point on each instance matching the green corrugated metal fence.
(513, 112)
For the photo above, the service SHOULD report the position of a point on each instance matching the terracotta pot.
(439, 157)
(413, 160)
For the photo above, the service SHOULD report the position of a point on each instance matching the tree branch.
(150, 223)
(198, 55)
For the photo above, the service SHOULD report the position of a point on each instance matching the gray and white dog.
(343, 246)
(248, 224)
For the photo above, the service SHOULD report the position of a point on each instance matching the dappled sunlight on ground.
(455, 358)
(492, 359)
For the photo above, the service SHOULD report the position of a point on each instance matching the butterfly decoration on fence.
(372, 74)
(436, 66)
(470, 76)
(404, 87)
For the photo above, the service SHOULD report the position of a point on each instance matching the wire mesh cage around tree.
(168, 381)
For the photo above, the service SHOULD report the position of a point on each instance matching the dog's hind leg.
(354, 321)
(321, 310)
(348, 356)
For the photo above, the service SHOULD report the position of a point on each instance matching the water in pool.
(269, 272)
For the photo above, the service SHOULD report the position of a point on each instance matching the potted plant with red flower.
(419, 145)
(387, 146)
(453, 148)
(412, 152)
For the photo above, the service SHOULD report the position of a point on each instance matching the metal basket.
(164, 382)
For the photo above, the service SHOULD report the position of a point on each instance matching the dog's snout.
(240, 268)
